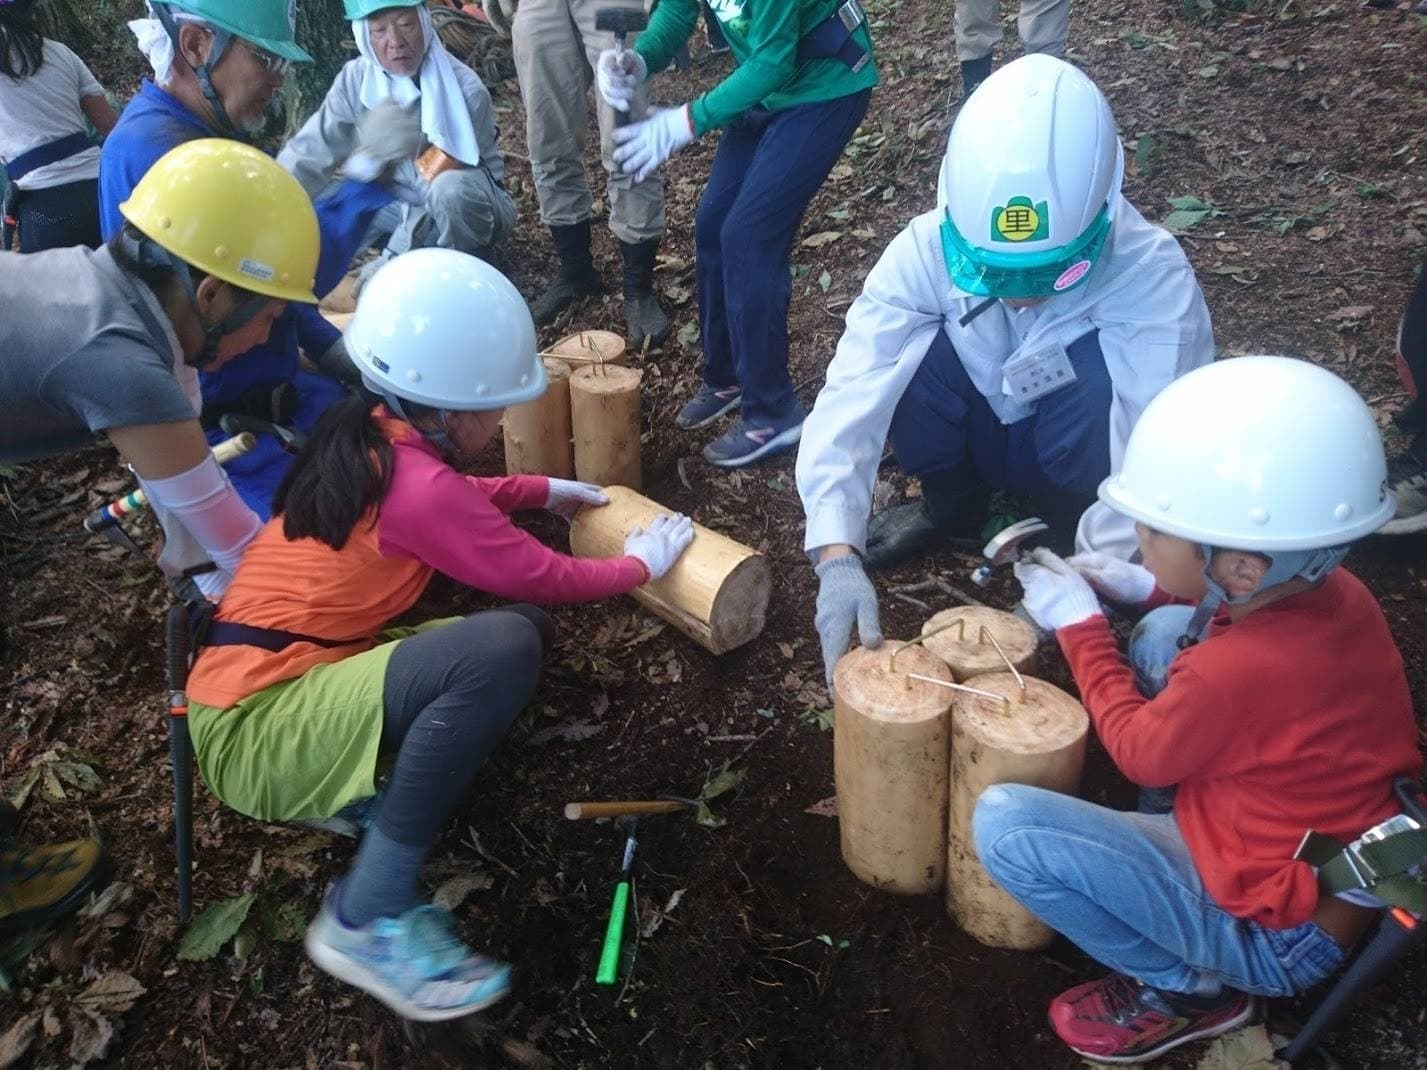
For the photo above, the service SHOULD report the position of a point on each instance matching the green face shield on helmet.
(984, 273)
(362, 9)
(264, 23)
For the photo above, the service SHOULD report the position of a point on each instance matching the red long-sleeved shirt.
(1296, 717)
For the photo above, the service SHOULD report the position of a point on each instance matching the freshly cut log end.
(537, 434)
(591, 347)
(959, 643)
(604, 415)
(716, 593)
(1039, 740)
(890, 744)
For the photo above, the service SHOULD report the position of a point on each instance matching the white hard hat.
(1029, 182)
(445, 329)
(1268, 454)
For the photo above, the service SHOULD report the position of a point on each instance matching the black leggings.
(450, 694)
(59, 217)
(1414, 354)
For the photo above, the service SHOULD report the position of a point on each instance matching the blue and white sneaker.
(745, 442)
(708, 405)
(415, 964)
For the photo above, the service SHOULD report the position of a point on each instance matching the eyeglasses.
(272, 63)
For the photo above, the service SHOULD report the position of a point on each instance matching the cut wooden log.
(590, 347)
(1038, 739)
(537, 434)
(891, 739)
(340, 320)
(342, 297)
(604, 416)
(959, 642)
(716, 593)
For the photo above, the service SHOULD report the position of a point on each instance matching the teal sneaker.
(415, 964)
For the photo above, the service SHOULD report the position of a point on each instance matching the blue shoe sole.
(776, 444)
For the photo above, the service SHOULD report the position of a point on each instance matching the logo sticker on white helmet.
(1071, 275)
(1019, 219)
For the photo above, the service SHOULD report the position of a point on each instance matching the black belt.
(835, 38)
(203, 631)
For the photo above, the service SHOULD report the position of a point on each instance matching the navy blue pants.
(945, 433)
(60, 216)
(767, 168)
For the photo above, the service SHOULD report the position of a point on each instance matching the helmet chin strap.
(1310, 565)
(221, 40)
(149, 253)
(441, 438)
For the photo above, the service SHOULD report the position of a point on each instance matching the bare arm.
(99, 112)
(158, 451)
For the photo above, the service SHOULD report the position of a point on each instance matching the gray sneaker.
(1407, 479)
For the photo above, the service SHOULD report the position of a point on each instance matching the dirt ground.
(1300, 130)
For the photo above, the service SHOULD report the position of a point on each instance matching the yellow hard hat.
(231, 211)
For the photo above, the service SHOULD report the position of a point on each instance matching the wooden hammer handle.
(583, 811)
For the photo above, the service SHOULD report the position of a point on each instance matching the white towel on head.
(445, 115)
(155, 43)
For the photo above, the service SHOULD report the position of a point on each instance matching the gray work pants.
(1042, 24)
(556, 48)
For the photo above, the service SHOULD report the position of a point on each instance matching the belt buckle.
(1391, 827)
(1362, 869)
(851, 15)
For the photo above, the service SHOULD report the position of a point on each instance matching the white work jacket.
(1141, 295)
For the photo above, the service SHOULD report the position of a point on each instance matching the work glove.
(500, 14)
(387, 135)
(337, 364)
(567, 497)
(642, 147)
(1114, 577)
(668, 536)
(618, 74)
(1056, 596)
(845, 597)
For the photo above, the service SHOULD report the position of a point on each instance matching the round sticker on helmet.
(1071, 275)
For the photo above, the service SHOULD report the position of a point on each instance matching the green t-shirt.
(764, 36)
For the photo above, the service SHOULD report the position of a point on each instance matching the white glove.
(1114, 577)
(618, 75)
(567, 497)
(386, 135)
(641, 148)
(1055, 594)
(659, 547)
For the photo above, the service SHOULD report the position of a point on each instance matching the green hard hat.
(360, 9)
(265, 23)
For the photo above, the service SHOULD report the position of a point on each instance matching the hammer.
(620, 21)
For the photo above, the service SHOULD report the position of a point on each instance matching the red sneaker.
(1119, 1020)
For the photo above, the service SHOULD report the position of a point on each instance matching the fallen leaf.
(1350, 312)
(824, 807)
(689, 335)
(723, 783)
(215, 927)
(1228, 269)
(114, 993)
(568, 732)
(285, 922)
(825, 282)
(786, 649)
(658, 917)
(453, 892)
(821, 238)
(52, 1023)
(1318, 233)
(89, 1035)
(16, 1040)
(110, 899)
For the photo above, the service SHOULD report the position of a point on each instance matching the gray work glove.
(845, 597)
(387, 135)
(668, 536)
(337, 364)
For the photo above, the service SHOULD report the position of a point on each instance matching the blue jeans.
(945, 433)
(1124, 888)
(767, 168)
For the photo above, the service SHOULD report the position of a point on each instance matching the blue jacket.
(154, 122)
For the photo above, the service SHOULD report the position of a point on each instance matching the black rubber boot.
(973, 73)
(643, 317)
(577, 277)
(906, 531)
